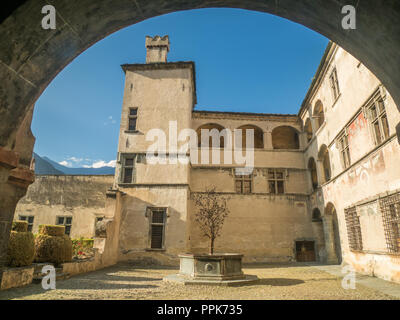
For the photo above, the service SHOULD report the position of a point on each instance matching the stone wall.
(81, 197)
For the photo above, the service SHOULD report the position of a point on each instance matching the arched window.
(316, 215)
(211, 126)
(258, 136)
(313, 170)
(308, 130)
(285, 137)
(318, 114)
(323, 156)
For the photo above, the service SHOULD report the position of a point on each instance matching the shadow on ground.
(278, 282)
(97, 280)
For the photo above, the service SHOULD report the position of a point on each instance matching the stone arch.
(258, 136)
(211, 126)
(318, 114)
(323, 156)
(308, 129)
(316, 215)
(285, 137)
(332, 234)
(30, 60)
(312, 166)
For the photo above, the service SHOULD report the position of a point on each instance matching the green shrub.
(67, 249)
(52, 245)
(50, 230)
(21, 249)
(20, 226)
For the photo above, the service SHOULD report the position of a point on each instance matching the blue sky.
(245, 61)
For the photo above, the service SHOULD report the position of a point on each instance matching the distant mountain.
(44, 165)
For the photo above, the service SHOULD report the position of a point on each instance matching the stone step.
(38, 276)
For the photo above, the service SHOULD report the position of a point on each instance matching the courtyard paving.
(125, 281)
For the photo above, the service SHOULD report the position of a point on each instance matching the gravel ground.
(131, 282)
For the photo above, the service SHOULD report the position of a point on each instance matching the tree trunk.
(212, 245)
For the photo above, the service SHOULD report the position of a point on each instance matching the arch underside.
(31, 57)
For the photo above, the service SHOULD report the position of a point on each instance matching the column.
(331, 257)
(268, 140)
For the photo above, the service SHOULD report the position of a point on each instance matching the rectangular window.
(378, 120)
(390, 208)
(243, 183)
(128, 169)
(66, 222)
(276, 181)
(28, 219)
(132, 119)
(353, 229)
(333, 79)
(157, 228)
(344, 150)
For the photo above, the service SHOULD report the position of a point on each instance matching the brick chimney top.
(157, 49)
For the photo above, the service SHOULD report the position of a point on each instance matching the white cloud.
(74, 159)
(101, 163)
(65, 163)
(110, 120)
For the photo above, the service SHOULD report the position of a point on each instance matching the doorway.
(305, 251)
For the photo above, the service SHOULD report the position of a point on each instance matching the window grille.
(353, 229)
(390, 208)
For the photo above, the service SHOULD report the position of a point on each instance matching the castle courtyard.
(277, 281)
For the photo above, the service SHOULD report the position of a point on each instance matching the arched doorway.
(312, 166)
(215, 131)
(285, 137)
(319, 114)
(258, 136)
(324, 158)
(332, 235)
(308, 130)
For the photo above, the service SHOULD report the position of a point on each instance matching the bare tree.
(212, 211)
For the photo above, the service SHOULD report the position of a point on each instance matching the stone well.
(216, 269)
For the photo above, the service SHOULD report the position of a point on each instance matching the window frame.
(242, 179)
(344, 149)
(275, 180)
(65, 224)
(149, 214)
(132, 117)
(376, 119)
(124, 166)
(26, 218)
(334, 84)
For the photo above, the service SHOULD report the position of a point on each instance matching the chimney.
(157, 49)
